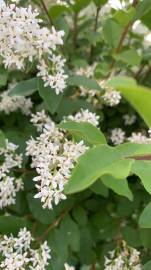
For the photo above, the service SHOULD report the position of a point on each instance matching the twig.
(147, 72)
(53, 225)
(46, 11)
(121, 41)
(141, 157)
(93, 266)
(95, 27)
(137, 74)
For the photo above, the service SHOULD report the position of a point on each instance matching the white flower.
(119, 4)
(112, 97)
(10, 104)
(85, 116)
(138, 137)
(68, 267)
(129, 119)
(17, 253)
(87, 71)
(56, 80)
(53, 156)
(23, 40)
(40, 119)
(117, 136)
(124, 258)
(65, 3)
(9, 185)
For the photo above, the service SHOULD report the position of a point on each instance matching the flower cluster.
(10, 104)
(87, 71)
(139, 137)
(117, 136)
(129, 119)
(68, 267)
(111, 96)
(17, 253)
(84, 116)
(123, 258)
(22, 39)
(53, 156)
(9, 185)
(65, 3)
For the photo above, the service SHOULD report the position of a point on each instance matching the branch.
(46, 11)
(52, 226)
(95, 27)
(122, 38)
(141, 157)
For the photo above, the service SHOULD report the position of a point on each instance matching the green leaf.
(80, 216)
(123, 17)
(147, 266)
(93, 164)
(83, 81)
(57, 10)
(131, 236)
(145, 217)
(24, 88)
(130, 57)
(142, 8)
(112, 32)
(133, 149)
(119, 186)
(99, 2)
(2, 139)
(100, 189)
(15, 222)
(84, 131)
(80, 4)
(70, 229)
(45, 216)
(51, 99)
(143, 170)
(3, 76)
(137, 95)
(145, 236)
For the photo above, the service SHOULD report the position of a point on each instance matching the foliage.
(107, 183)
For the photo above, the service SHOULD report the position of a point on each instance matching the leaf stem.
(46, 11)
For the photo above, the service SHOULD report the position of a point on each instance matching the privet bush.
(75, 138)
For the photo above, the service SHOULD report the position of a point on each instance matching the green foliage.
(136, 95)
(83, 81)
(88, 170)
(109, 187)
(84, 131)
(25, 88)
(50, 98)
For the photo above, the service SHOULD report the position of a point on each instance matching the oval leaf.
(84, 131)
(93, 164)
(49, 96)
(24, 88)
(136, 95)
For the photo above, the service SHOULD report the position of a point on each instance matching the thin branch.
(52, 226)
(46, 11)
(141, 157)
(122, 38)
(148, 72)
(95, 27)
(93, 267)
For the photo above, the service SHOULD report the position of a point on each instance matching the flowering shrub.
(75, 137)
